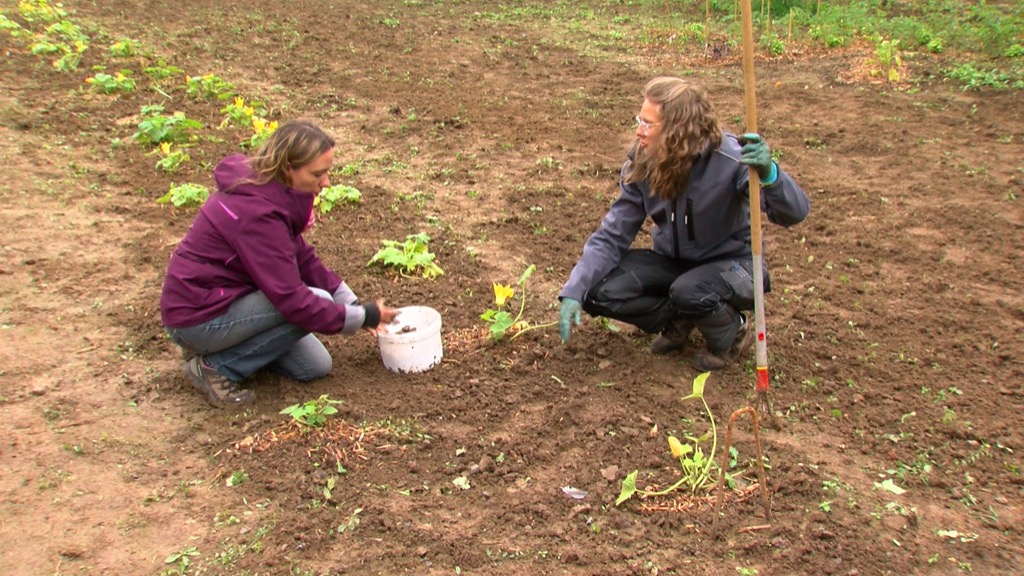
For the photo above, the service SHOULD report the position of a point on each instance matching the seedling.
(161, 71)
(261, 130)
(181, 560)
(208, 86)
(500, 320)
(112, 84)
(185, 195)
(696, 467)
(313, 413)
(331, 196)
(352, 523)
(156, 128)
(40, 11)
(124, 48)
(241, 114)
(887, 56)
(409, 257)
(171, 158)
(237, 478)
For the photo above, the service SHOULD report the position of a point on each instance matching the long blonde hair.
(688, 126)
(292, 145)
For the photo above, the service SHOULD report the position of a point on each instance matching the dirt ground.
(895, 331)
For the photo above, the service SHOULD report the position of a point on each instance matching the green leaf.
(889, 486)
(628, 487)
(526, 274)
(698, 386)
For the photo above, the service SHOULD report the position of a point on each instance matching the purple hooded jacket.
(245, 240)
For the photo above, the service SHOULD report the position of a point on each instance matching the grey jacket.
(708, 221)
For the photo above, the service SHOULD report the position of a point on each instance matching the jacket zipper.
(688, 219)
(675, 229)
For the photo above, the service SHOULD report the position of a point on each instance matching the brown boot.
(707, 361)
(675, 337)
(220, 391)
(187, 353)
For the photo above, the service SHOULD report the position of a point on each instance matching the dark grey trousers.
(650, 290)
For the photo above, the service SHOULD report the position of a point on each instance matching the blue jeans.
(252, 335)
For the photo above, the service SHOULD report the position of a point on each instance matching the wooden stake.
(754, 184)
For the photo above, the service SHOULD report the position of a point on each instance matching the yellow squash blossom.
(502, 293)
(678, 448)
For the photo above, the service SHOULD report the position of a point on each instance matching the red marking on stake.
(760, 336)
(762, 379)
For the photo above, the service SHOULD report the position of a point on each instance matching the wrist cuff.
(372, 319)
(772, 176)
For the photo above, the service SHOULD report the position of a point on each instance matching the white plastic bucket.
(413, 341)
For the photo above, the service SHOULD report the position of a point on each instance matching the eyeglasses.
(645, 126)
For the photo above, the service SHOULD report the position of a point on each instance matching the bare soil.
(895, 331)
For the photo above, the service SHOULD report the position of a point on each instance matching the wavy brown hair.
(688, 126)
(293, 145)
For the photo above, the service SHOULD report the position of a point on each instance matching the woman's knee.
(307, 360)
(319, 366)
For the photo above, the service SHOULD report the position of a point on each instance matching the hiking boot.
(675, 337)
(220, 391)
(707, 361)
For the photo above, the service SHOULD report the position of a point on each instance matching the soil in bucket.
(413, 341)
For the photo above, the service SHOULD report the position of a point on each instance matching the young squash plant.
(313, 413)
(410, 257)
(695, 465)
(500, 320)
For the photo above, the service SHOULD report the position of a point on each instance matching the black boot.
(708, 360)
(674, 337)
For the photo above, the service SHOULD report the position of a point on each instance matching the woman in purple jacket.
(243, 290)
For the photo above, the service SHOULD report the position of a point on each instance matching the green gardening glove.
(755, 153)
(569, 313)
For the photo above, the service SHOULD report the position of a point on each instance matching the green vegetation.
(313, 413)
(124, 48)
(410, 257)
(157, 128)
(331, 196)
(695, 465)
(48, 32)
(170, 158)
(500, 320)
(112, 84)
(988, 36)
(185, 195)
(209, 86)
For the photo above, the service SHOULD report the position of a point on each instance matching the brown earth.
(894, 328)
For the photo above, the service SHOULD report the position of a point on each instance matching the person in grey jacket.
(691, 179)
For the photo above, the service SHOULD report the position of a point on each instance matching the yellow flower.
(502, 293)
(239, 102)
(248, 111)
(165, 147)
(258, 124)
(271, 127)
(678, 448)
